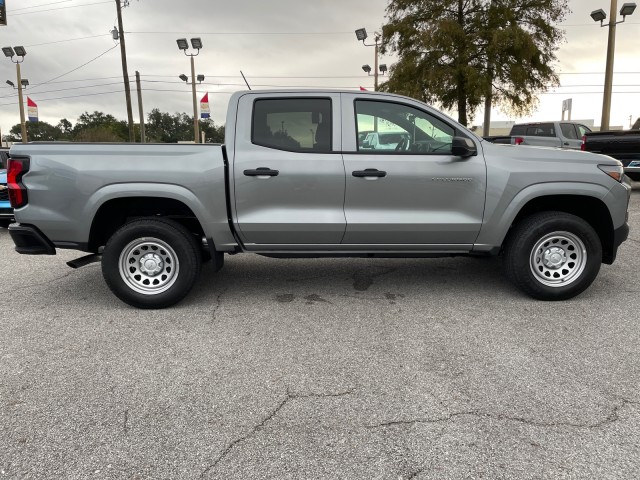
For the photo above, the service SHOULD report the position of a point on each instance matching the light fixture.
(200, 78)
(182, 43)
(366, 68)
(627, 9)
(183, 77)
(361, 34)
(8, 51)
(598, 15)
(9, 82)
(196, 43)
(383, 68)
(20, 51)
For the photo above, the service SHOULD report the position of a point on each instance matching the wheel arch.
(115, 212)
(591, 209)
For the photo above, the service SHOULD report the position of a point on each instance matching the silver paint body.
(430, 203)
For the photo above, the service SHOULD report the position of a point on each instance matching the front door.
(410, 191)
(288, 172)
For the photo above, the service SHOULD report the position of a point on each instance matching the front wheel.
(151, 263)
(553, 255)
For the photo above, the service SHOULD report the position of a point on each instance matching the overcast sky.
(275, 43)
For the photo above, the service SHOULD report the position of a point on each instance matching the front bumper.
(619, 235)
(30, 241)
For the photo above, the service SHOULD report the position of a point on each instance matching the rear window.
(541, 130)
(293, 124)
(518, 129)
(3, 159)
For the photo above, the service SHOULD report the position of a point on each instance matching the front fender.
(500, 217)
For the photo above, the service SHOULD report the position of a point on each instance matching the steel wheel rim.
(558, 259)
(148, 266)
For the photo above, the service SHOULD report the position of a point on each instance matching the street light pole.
(195, 102)
(361, 35)
(23, 124)
(608, 76)
(11, 52)
(599, 16)
(196, 44)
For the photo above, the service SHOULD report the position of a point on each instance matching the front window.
(385, 127)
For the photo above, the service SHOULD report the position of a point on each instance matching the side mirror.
(463, 147)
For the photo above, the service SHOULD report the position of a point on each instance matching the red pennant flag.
(205, 112)
(362, 89)
(32, 110)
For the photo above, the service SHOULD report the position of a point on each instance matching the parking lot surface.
(339, 368)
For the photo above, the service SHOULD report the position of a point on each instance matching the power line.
(59, 8)
(241, 33)
(78, 68)
(66, 89)
(41, 5)
(68, 40)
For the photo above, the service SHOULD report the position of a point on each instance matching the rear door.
(288, 173)
(571, 136)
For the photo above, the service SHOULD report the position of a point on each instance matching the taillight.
(518, 140)
(584, 140)
(17, 191)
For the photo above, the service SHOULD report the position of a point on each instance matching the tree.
(212, 134)
(36, 132)
(455, 52)
(167, 128)
(100, 127)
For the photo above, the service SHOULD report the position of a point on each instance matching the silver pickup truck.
(291, 181)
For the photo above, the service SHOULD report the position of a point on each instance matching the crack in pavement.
(289, 396)
(611, 418)
(125, 423)
(218, 304)
(33, 285)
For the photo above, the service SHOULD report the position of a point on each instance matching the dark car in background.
(6, 212)
(623, 145)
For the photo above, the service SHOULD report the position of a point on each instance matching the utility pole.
(125, 72)
(142, 136)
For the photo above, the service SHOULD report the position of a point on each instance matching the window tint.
(569, 131)
(519, 130)
(541, 130)
(385, 127)
(294, 124)
(3, 159)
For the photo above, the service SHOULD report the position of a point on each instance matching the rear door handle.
(369, 172)
(261, 172)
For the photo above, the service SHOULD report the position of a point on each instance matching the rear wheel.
(151, 263)
(553, 255)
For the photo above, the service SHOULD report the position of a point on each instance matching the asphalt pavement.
(338, 368)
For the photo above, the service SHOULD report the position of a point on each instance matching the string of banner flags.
(32, 108)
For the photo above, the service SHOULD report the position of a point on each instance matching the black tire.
(171, 252)
(5, 223)
(552, 255)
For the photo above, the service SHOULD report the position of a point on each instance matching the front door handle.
(369, 172)
(261, 172)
